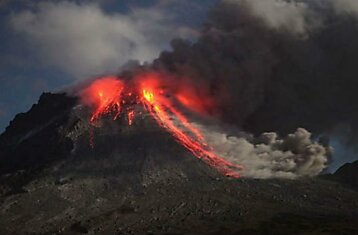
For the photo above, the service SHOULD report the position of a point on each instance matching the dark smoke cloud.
(275, 65)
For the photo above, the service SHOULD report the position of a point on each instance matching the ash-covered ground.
(138, 180)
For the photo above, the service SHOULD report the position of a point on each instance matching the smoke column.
(265, 75)
(275, 65)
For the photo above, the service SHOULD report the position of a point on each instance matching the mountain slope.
(60, 175)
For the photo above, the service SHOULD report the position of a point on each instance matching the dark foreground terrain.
(138, 180)
(180, 206)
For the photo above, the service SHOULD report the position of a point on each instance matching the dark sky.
(46, 45)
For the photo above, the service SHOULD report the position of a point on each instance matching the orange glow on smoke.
(107, 95)
(194, 99)
(191, 101)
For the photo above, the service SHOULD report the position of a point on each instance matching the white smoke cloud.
(346, 6)
(83, 40)
(295, 16)
(280, 14)
(269, 156)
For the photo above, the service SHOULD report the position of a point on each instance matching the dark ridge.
(32, 138)
(49, 106)
(348, 174)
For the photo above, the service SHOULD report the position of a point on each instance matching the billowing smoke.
(268, 74)
(82, 39)
(268, 156)
(275, 65)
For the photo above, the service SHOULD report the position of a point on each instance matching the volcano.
(121, 169)
(146, 95)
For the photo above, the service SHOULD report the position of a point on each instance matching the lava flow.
(108, 94)
(105, 95)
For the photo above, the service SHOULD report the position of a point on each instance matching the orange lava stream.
(108, 94)
(157, 106)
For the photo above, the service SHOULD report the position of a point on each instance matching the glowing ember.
(108, 94)
(130, 117)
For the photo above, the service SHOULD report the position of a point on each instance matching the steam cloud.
(83, 40)
(275, 65)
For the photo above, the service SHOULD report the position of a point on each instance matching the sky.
(48, 45)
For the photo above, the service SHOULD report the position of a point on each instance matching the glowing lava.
(105, 96)
(108, 94)
(130, 117)
(164, 113)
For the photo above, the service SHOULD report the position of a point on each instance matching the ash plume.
(270, 156)
(274, 65)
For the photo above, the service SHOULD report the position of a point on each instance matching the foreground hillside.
(203, 205)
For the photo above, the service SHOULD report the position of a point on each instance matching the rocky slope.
(138, 180)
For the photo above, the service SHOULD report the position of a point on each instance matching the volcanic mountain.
(64, 171)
